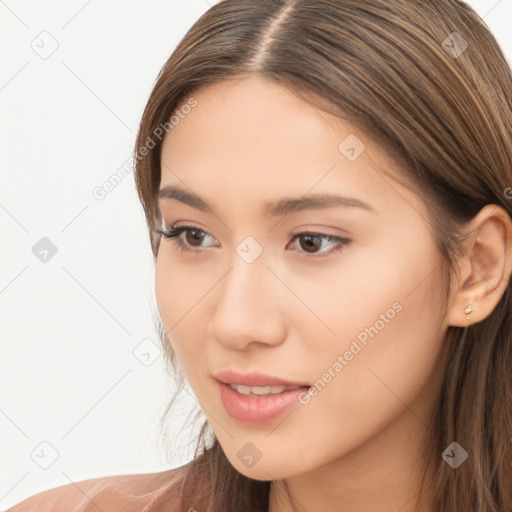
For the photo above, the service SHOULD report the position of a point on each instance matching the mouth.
(256, 398)
(261, 390)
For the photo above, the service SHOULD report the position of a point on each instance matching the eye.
(193, 237)
(311, 242)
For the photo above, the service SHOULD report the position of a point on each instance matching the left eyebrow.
(272, 208)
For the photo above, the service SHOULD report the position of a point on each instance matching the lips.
(255, 379)
(255, 397)
(254, 409)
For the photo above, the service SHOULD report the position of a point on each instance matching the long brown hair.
(427, 81)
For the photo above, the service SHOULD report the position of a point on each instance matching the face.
(342, 297)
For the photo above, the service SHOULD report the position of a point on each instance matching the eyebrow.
(273, 208)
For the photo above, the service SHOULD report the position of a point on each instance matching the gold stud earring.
(468, 311)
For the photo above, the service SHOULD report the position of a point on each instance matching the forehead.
(252, 115)
(255, 137)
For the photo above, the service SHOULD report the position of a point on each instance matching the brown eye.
(311, 243)
(194, 237)
(192, 241)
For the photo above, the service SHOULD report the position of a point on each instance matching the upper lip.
(254, 379)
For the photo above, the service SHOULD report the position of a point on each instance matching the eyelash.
(174, 233)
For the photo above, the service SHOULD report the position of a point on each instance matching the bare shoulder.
(142, 492)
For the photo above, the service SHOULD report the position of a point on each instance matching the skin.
(356, 446)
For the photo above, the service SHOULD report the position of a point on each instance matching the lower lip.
(258, 409)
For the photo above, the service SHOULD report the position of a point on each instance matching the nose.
(249, 307)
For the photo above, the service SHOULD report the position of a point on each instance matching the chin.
(260, 473)
(264, 470)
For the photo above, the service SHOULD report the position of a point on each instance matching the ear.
(485, 267)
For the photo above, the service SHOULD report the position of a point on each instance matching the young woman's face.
(344, 296)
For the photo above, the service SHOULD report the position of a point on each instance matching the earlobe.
(486, 266)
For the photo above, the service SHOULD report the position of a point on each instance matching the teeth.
(260, 390)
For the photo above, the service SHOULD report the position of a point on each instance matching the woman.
(327, 186)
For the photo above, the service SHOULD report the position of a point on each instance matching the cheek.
(386, 314)
(179, 293)
(166, 282)
(179, 287)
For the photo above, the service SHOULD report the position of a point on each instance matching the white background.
(68, 327)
